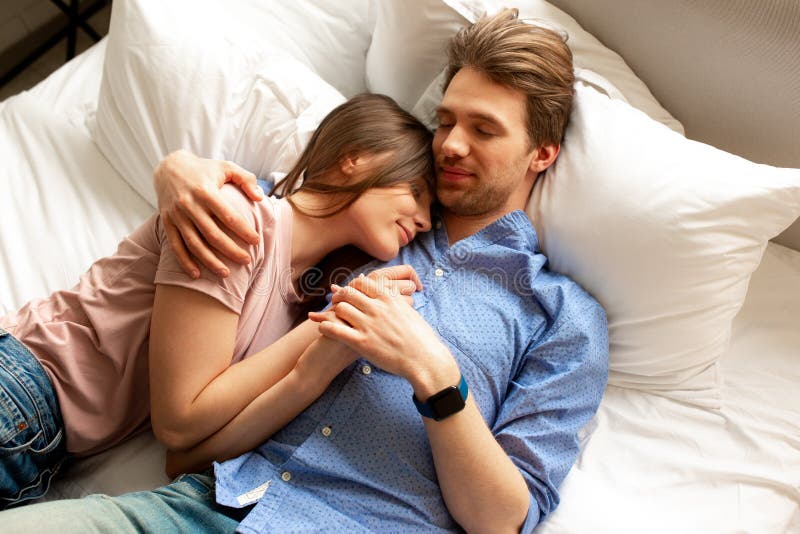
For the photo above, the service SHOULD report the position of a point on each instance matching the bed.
(705, 442)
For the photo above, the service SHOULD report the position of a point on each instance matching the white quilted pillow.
(184, 75)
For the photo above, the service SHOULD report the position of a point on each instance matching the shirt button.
(326, 431)
(286, 476)
(438, 225)
(366, 369)
(438, 272)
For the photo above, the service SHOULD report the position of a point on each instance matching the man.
(506, 361)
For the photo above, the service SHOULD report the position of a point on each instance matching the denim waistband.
(20, 362)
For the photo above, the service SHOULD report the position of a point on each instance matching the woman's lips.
(405, 235)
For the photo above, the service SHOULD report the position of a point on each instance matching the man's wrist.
(438, 371)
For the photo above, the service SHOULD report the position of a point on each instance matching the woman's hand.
(191, 207)
(325, 358)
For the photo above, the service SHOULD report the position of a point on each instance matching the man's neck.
(462, 226)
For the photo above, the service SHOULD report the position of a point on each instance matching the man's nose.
(455, 144)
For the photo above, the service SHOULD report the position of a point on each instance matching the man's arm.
(482, 488)
(192, 210)
(504, 478)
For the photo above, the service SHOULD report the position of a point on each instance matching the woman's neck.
(314, 237)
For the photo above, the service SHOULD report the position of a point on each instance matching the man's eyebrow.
(486, 117)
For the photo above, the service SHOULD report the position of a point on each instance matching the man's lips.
(454, 174)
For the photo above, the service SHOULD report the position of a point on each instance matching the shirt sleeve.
(555, 393)
(230, 291)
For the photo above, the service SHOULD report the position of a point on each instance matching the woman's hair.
(525, 57)
(365, 125)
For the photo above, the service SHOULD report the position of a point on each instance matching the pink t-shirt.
(93, 339)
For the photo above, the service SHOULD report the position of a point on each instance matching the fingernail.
(223, 272)
(361, 275)
(195, 274)
(335, 287)
(244, 259)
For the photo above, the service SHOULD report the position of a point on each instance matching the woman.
(76, 368)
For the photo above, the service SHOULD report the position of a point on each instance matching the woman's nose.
(422, 219)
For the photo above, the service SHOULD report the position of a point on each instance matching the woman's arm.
(194, 390)
(270, 411)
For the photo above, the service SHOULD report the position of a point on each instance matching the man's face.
(485, 165)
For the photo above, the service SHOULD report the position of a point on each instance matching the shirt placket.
(316, 446)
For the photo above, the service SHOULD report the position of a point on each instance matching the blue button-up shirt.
(533, 347)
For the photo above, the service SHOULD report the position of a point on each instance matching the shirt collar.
(515, 225)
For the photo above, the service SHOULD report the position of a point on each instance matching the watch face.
(446, 402)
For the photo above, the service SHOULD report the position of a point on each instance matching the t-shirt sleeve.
(555, 393)
(232, 290)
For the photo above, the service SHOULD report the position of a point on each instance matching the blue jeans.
(186, 505)
(32, 444)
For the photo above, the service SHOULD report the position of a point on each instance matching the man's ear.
(544, 156)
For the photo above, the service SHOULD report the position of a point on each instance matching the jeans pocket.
(27, 468)
(12, 421)
(32, 443)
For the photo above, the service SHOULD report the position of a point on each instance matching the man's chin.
(461, 205)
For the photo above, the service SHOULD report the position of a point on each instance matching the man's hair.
(365, 125)
(525, 57)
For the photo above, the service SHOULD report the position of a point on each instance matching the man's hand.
(191, 208)
(390, 333)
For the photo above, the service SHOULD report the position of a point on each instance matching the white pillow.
(202, 84)
(409, 46)
(330, 37)
(665, 233)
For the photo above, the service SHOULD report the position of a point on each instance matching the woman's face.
(387, 218)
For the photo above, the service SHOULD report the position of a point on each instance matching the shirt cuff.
(532, 519)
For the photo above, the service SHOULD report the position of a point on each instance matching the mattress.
(648, 463)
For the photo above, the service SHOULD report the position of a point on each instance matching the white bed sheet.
(649, 464)
(657, 465)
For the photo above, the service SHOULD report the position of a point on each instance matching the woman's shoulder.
(263, 214)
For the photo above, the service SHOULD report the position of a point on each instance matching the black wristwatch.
(440, 405)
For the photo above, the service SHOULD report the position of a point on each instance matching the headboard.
(729, 70)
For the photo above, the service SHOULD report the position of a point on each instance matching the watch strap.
(425, 409)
